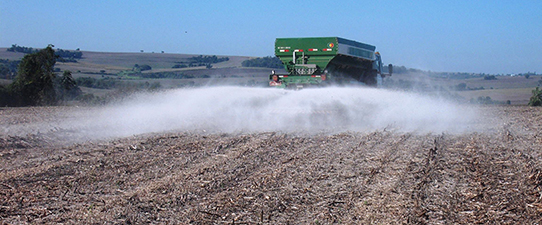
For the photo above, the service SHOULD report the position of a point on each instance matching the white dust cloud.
(247, 110)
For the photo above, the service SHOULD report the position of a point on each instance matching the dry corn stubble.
(381, 176)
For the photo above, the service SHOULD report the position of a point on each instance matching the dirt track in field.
(382, 176)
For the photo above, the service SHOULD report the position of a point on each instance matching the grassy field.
(517, 89)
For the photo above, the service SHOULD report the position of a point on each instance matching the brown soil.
(373, 177)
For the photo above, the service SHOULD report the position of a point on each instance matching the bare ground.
(373, 177)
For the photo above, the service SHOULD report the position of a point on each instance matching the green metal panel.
(319, 50)
(285, 48)
(319, 43)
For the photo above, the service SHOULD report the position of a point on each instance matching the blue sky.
(454, 36)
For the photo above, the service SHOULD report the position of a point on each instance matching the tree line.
(65, 55)
(267, 62)
(201, 61)
(69, 56)
(17, 48)
(208, 59)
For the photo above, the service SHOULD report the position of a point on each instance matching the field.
(382, 176)
(517, 89)
(109, 64)
(231, 155)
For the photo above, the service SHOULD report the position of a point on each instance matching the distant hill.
(142, 69)
(122, 67)
(112, 64)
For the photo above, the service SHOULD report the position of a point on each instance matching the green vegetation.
(139, 68)
(105, 83)
(67, 87)
(207, 65)
(5, 96)
(110, 83)
(461, 87)
(27, 50)
(268, 62)
(65, 55)
(528, 74)
(34, 84)
(128, 74)
(135, 74)
(179, 66)
(37, 84)
(8, 68)
(208, 59)
(536, 99)
(490, 77)
(201, 61)
(68, 56)
(488, 101)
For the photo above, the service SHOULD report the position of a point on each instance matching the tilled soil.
(373, 177)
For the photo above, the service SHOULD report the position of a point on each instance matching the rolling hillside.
(100, 65)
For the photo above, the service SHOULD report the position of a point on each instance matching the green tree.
(536, 99)
(5, 96)
(145, 67)
(461, 87)
(67, 88)
(34, 83)
(490, 77)
(139, 68)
